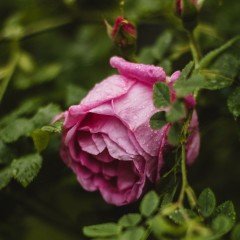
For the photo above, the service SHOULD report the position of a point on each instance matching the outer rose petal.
(110, 88)
(147, 74)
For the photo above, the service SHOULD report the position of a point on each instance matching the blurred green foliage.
(52, 52)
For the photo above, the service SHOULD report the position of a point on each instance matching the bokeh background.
(64, 51)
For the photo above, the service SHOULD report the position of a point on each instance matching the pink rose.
(107, 140)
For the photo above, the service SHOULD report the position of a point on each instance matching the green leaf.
(236, 232)
(54, 128)
(15, 129)
(219, 74)
(45, 115)
(26, 168)
(23, 127)
(40, 139)
(6, 154)
(226, 209)
(178, 215)
(176, 112)
(26, 107)
(207, 202)
(162, 226)
(161, 95)
(187, 86)
(221, 225)
(149, 204)
(227, 64)
(234, 102)
(135, 233)
(102, 230)
(5, 177)
(158, 120)
(130, 220)
(215, 79)
(186, 72)
(174, 134)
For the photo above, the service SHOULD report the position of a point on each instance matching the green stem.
(195, 48)
(186, 189)
(184, 173)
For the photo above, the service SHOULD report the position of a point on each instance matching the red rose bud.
(124, 27)
(188, 10)
(123, 34)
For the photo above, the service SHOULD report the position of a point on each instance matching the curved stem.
(186, 189)
(195, 48)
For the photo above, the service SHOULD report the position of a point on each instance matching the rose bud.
(107, 140)
(123, 34)
(188, 10)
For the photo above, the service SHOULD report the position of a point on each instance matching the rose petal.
(136, 107)
(112, 127)
(110, 169)
(89, 162)
(104, 156)
(115, 151)
(126, 176)
(86, 142)
(148, 74)
(110, 88)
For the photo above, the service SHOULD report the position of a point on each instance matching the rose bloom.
(107, 140)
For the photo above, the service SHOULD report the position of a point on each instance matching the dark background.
(70, 35)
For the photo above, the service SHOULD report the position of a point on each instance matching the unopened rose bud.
(123, 34)
(188, 10)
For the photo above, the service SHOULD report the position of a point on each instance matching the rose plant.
(134, 137)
